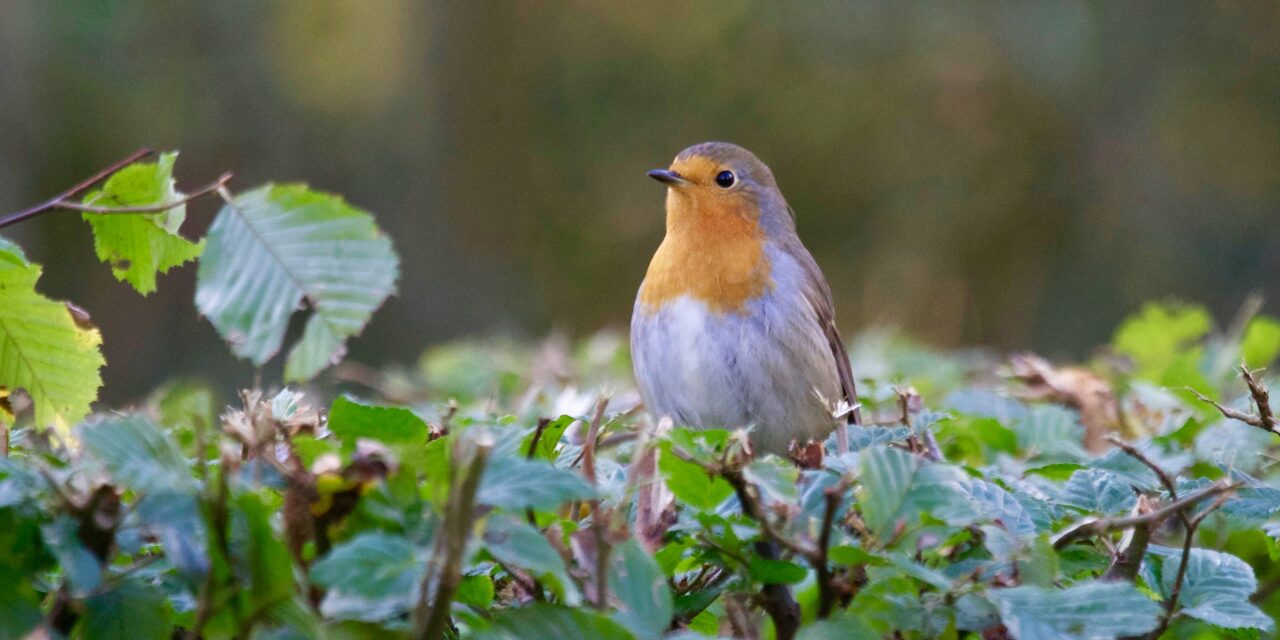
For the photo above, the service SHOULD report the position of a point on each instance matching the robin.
(733, 326)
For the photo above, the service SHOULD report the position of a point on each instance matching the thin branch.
(1127, 562)
(776, 599)
(54, 202)
(826, 591)
(1171, 606)
(1095, 527)
(1134, 453)
(1265, 418)
(431, 617)
(212, 187)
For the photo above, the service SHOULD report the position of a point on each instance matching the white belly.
(765, 368)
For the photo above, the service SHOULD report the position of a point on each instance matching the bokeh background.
(1019, 174)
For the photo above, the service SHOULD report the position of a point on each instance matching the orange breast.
(712, 252)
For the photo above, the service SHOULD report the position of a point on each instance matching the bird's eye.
(725, 179)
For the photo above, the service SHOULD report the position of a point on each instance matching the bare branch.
(1133, 452)
(1100, 526)
(1265, 418)
(1171, 606)
(826, 590)
(150, 208)
(53, 202)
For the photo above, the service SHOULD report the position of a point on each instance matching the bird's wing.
(819, 296)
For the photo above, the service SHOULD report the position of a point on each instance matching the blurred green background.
(1017, 174)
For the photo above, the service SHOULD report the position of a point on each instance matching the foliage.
(495, 501)
(44, 349)
(270, 250)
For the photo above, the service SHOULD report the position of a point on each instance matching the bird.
(733, 325)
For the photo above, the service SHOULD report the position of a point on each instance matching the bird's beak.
(668, 177)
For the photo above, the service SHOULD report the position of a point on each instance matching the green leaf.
(1052, 432)
(138, 246)
(42, 348)
(691, 483)
(1087, 609)
(641, 588)
(259, 556)
(1216, 588)
(476, 591)
(137, 454)
(350, 420)
(845, 627)
(1095, 490)
(1159, 335)
(19, 605)
(515, 543)
(886, 476)
(369, 577)
(550, 622)
(131, 611)
(1261, 342)
(516, 483)
(176, 520)
(776, 571)
(278, 246)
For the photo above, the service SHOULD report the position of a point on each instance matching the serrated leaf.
(138, 246)
(1087, 609)
(993, 503)
(516, 483)
(1095, 490)
(1051, 432)
(641, 588)
(278, 246)
(42, 349)
(886, 476)
(1216, 588)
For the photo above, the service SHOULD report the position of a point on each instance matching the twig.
(1265, 419)
(1127, 562)
(54, 202)
(1172, 605)
(1134, 453)
(431, 618)
(1102, 526)
(216, 185)
(826, 591)
(776, 599)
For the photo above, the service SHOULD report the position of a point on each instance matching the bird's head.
(715, 178)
